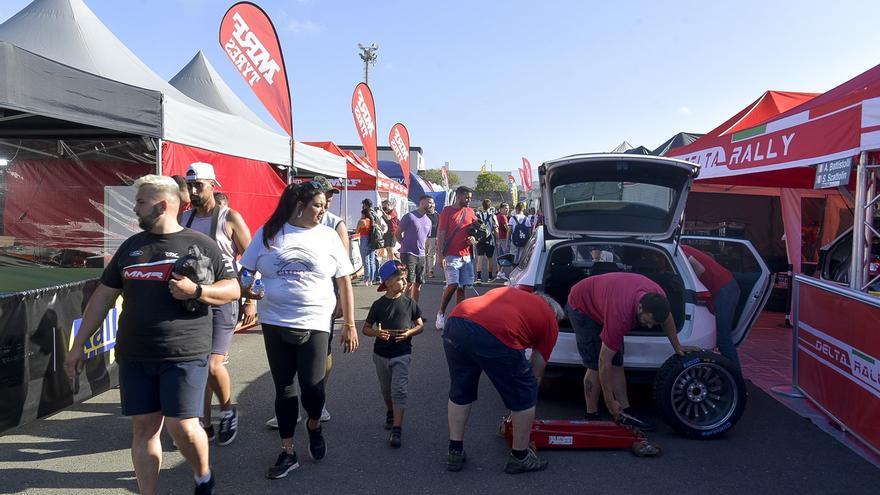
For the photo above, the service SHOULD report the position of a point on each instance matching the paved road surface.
(85, 449)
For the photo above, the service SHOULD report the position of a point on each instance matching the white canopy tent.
(201, 82)
(69, 33)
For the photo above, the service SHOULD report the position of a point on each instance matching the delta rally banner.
(522, 179)
(364, 111)
(251, 43)
(398, 139)
(444, 174)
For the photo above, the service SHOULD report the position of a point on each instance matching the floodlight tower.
(368, 55)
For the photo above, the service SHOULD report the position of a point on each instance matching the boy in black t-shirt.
(393, 320)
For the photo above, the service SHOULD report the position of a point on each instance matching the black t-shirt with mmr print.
(153, 326)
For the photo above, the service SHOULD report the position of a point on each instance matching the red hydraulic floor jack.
(568, 434)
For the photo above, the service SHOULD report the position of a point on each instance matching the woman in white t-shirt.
(299, 260)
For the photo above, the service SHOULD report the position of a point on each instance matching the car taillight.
(703, 297)
(527, 288)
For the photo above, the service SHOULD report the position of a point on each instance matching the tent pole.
(158, 143)
(345, 200)
(858, 256)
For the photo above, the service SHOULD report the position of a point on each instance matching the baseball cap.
(201, 171)
(389, 269)
(325, 184)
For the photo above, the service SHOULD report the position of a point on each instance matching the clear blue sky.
(495, 81)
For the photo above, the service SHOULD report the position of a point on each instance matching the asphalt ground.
(85, 448)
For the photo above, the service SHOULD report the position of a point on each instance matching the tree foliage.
(434, 175)
(490, 186)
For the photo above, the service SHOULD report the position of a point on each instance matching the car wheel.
(701, 394)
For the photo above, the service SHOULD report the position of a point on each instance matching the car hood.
(615, 195)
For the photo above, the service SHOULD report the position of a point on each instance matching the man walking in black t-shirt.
(169, 277)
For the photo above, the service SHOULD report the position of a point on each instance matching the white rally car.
(608, 213)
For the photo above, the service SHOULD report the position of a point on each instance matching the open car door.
(741, 258)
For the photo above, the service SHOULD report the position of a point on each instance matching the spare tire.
(701, 394)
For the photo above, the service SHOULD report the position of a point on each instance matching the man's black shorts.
(485, 249)
(177, 389)
(472, 350)
(587, 331)
(415, 267)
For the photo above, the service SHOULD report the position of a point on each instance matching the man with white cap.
(227, 227)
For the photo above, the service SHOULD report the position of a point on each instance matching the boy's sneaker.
(206, 488)
(209, 430)
(272, 423)
(389, 420)
(626, 418)
(529, 463)
(325, 415)
(317, 447)
(394, 439)
(441, 320)
(285, 464)
(228, 428)
(455, 460)
(501, 276)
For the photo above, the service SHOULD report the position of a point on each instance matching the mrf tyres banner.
(251, 43)
(398, 139)
(364, 112)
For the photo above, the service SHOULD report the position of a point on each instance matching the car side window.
(527, 253)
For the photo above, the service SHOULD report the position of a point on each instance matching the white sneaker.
(325, 415)
(441, 320)
(272, 424)
(501, 276)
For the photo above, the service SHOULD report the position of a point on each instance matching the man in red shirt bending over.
(725, 296)
(490, 334)
(602, 310)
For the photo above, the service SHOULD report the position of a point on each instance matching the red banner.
(839, 358)
(251, 43)
(398, 139)
(522, 179)
(444, 173)
(527, 168)
(364, 111)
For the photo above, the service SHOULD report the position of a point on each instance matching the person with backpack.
(389, 215)
(228, 229)
(371, 239)
(520, 231)
(486, 247)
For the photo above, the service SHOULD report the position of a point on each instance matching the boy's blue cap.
(389, 269)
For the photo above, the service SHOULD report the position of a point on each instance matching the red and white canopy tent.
(363, 183)
(784, 151)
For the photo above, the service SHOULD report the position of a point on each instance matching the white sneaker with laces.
(441, 320)
(325, 415)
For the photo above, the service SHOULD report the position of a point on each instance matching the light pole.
(368, 55)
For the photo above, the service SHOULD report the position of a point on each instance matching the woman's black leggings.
(288, 360)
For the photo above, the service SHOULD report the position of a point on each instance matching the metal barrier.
(836, 355)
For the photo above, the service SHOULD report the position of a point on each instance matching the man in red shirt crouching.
(602, 310)
(490, 334)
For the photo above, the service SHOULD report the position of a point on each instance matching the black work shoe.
(389, 420)
(206, 488)
(455, 461)
(394, 440)
(596, 416)
(527, 464)
(228, 428)
(285, 464)
(317, 447)
(209, 430)
(626, 418)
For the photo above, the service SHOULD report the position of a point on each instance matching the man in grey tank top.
(227, 227)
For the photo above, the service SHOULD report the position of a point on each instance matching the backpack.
(377, 236)
(520, 235)
(485, 229)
